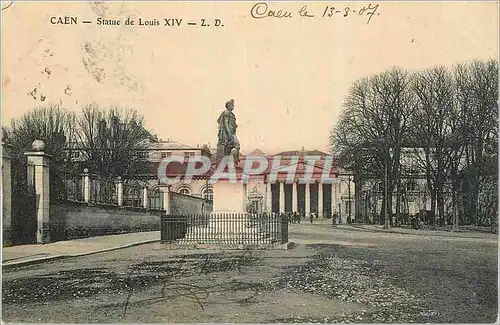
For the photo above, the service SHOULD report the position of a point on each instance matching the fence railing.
(155, 199)
(133, 195)
(88, 188)
(225, 228)
(73, 188)
(102, 191)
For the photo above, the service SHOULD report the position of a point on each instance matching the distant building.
(282, 197)
(318, 198)
(414, 195)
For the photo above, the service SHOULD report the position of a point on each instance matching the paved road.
(332, 275)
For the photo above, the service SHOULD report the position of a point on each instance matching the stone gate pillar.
(7, 193)
(38, 178)
(166, 199)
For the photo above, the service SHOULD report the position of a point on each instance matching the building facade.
(262, 195)
(285, 193)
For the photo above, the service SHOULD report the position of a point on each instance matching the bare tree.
(448, 118)
(432, 130)
(372, 124)
(477, 95)
(113, 141)
(52, 124)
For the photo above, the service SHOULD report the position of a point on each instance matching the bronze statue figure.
(228, 143)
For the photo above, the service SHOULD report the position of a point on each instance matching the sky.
(288, 76)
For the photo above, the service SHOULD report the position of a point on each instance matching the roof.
(256, 152)
(302, 153)
(170, 144)
(318, 169)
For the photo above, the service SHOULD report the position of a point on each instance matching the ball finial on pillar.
(38, 145)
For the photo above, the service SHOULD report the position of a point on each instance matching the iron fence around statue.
(225, 228)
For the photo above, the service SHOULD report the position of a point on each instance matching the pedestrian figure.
(311, 217)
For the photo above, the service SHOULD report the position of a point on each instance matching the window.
(411, 187)
(188, 155)
(208, 194)
(163, 154)
(132, 197)
(75, 154)
(143, 154)
(412, 169)
(184, 190)
(379, 187)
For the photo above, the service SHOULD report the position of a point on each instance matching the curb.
(448, 234)
(181, 246)
(58, 257)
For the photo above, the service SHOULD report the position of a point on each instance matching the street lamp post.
(348, 183)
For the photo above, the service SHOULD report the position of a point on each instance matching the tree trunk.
(398, 200)
(433, 202)
(382, 210)
(440, 204)
(357, 197)
(389, 204)
(455, 203)
(474, 195)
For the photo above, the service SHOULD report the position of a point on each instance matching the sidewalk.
(421, 232)
(29, 254)
(462, 233)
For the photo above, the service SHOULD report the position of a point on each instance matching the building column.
(308, 199)
(119, 191)
(245, 197)
(320, 200)
(86, 185)
(6, 194)
(334, 198)
(145, 197)
(294, 197)
(269, 198)
(339, 202)
(282, 197)
(38, 164)
(166, 199)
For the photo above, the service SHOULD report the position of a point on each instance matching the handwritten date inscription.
(262, 10)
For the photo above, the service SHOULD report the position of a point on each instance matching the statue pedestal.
(229, 197)
(228, 223)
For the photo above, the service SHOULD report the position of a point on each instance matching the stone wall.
(79, 220)
(186, 204)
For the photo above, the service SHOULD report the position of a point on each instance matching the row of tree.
(445, 120)
(106, 141)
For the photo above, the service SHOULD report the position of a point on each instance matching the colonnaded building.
(321, 199)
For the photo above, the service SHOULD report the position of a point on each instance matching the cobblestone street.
(332, 275)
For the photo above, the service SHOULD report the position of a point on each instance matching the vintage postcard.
(249, 162)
